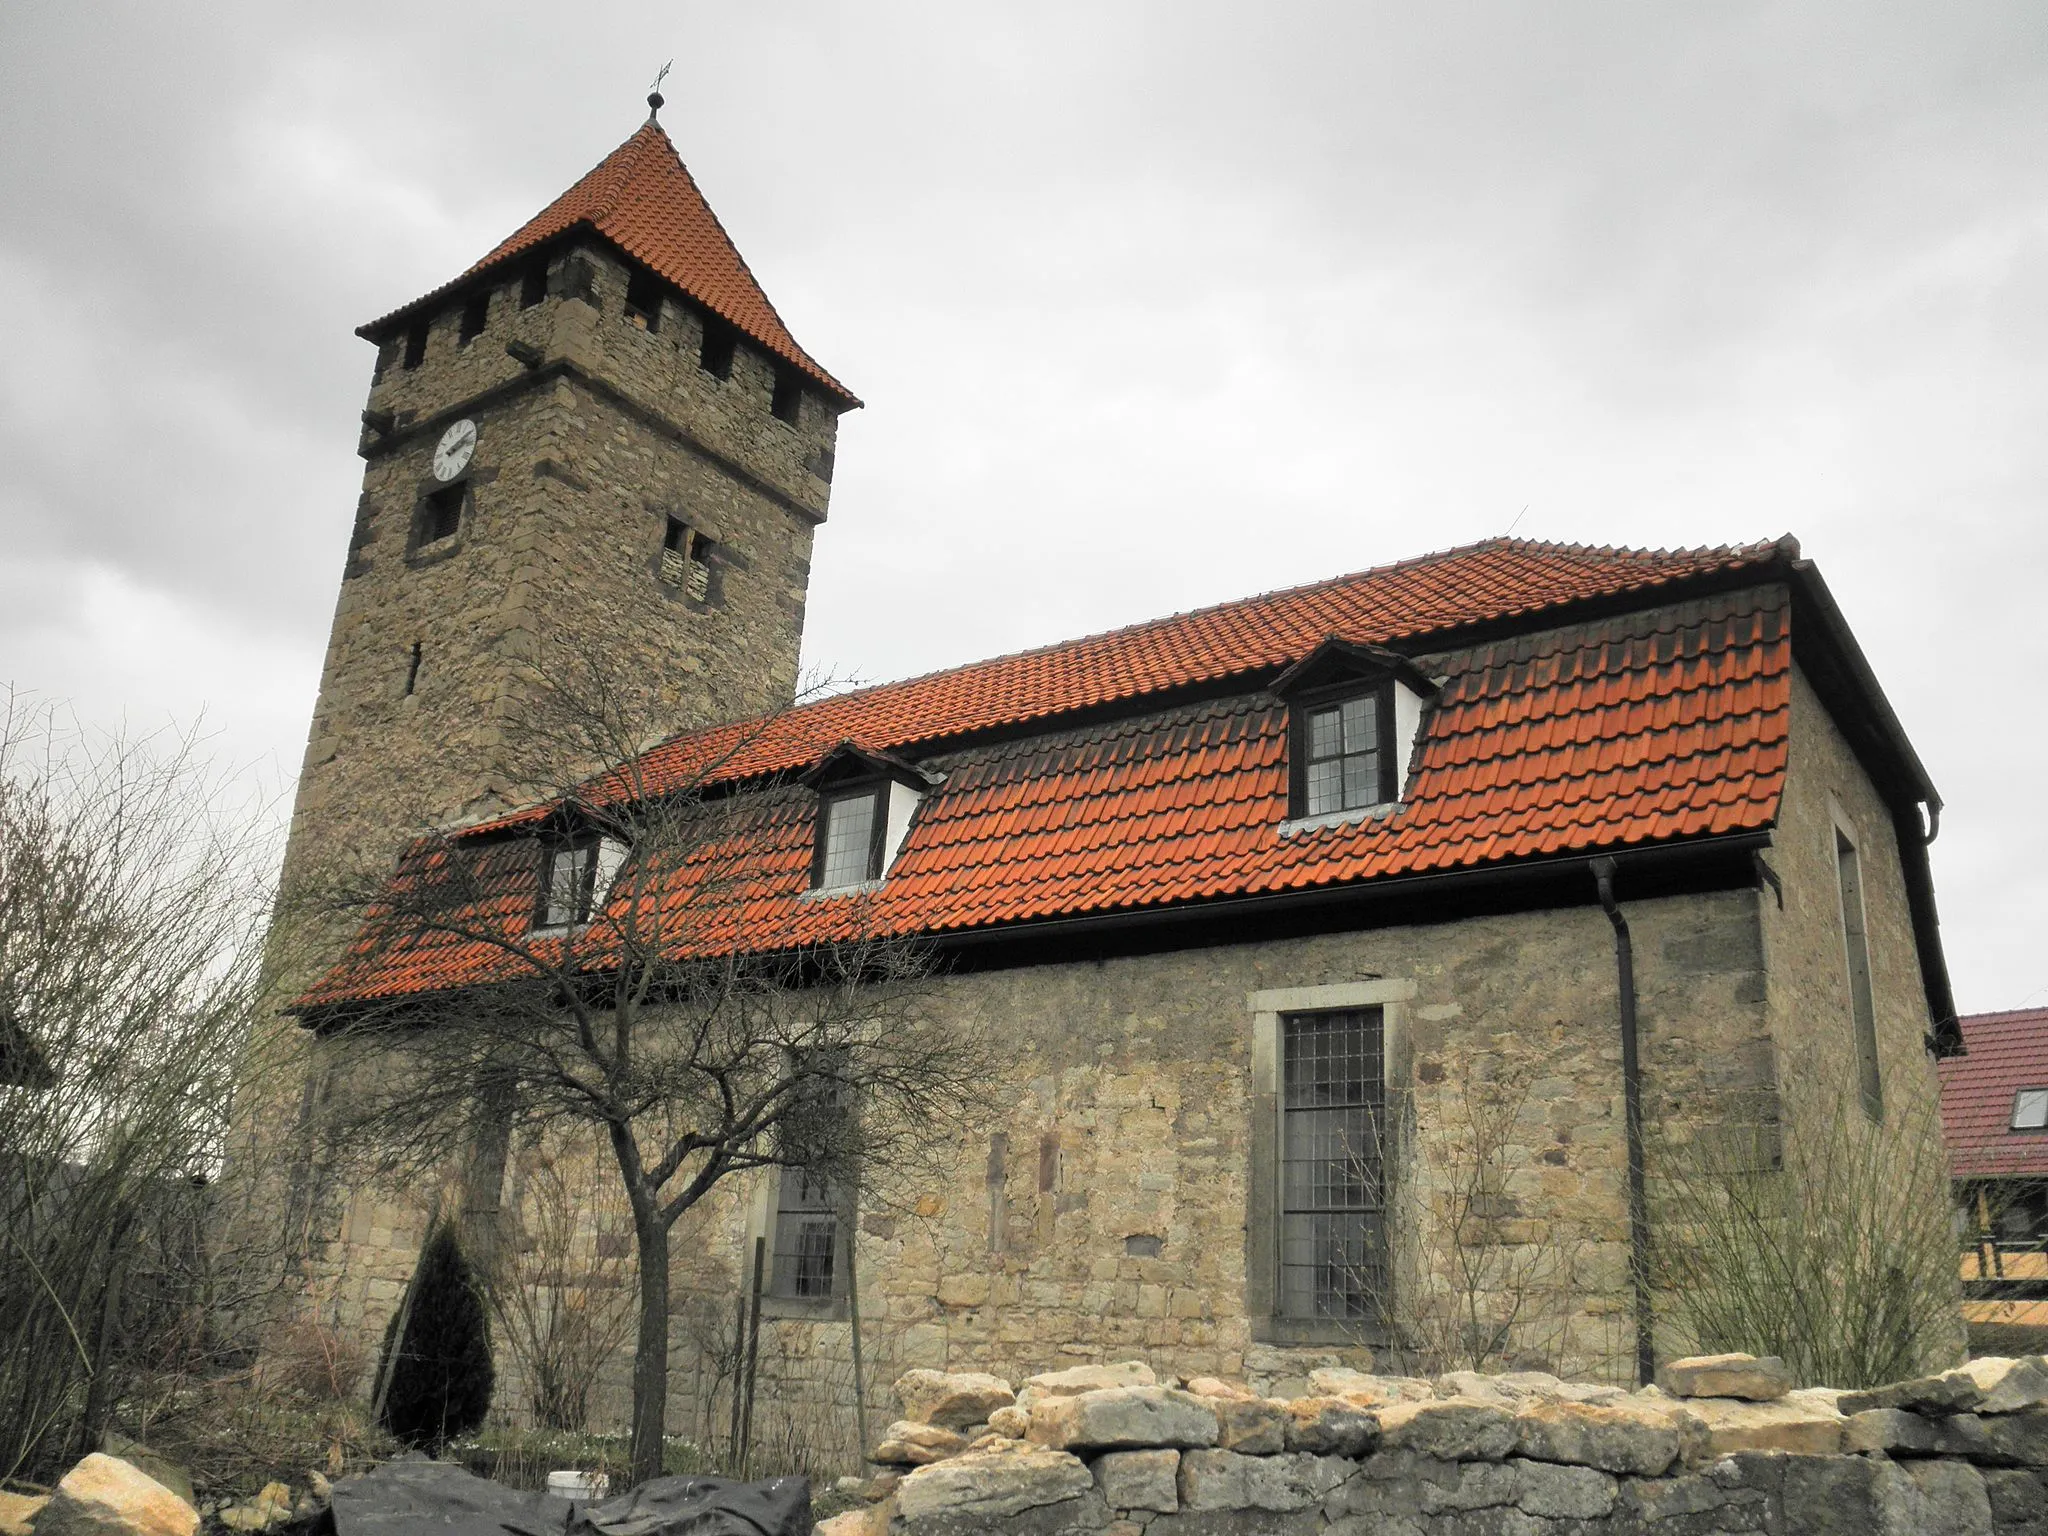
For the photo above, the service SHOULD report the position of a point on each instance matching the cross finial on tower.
(654, 97)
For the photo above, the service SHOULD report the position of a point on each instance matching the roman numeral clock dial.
(451, 454)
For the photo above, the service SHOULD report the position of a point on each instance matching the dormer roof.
(643, 199)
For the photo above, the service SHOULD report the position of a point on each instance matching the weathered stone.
(1330, 1426)
(1632, 1438)
(1139, 1480)
(1227, 1480)
(318, 1485)
(1852, 1495)
(993, 1487)
(1457, 1486)
(2001, 1439)
(104, 1496)
(1756, 1379)
(1890, 1430)
(1562, 1493)
(1255, 1425)
(1951, 1499)
(1215, 1386)
(151, 1464)
(1010, 1422)
(870, 1520)
(1122, 1418)
(1449, 1428)
(909, 1444)
(2007, 1386)
(1734, 1425)
(1091, 1378)
(951, 1399)
(17, 1510)
(1649, 1503)
(1948, 1392)
(1362, 1386)
(2019, 1500)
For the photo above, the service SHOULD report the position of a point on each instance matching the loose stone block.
(1948, 1392)
(1632, 1438)
(1212, 1386)
(1750, 1377)
(1733, 1425)
(103, 1496)
(1330, 1426)
(1450, 1429)
(993, 1487)
(1139, 1480)
(1227, 1480)
(905, 1444)
(1090, 1378)
(1123, 1418)
(18, 1510)
(1890, 1430)
(1011, 1422)
(1256, 1426)
(2007, 1386)
(951, 1399)
(1362, 1386)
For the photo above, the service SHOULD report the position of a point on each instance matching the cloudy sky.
(1153, 305)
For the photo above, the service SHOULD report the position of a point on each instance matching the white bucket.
(584, 1487)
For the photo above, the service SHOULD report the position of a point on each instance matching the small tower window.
(474, 316)
(686, 559)
(643, 300)
(720, 343)
(789, 396)
(533, 283)
(441, 512)
(416, 344)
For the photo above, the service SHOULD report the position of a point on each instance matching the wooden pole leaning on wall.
(860, 1396)
(753, 1355)
(739, 1349)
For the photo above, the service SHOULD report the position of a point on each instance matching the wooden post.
(739, 1345)
(753, 1354)
(860, 1397)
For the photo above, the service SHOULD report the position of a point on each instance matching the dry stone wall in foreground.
(1724, 1444)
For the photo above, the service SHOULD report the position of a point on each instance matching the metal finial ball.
(654, 101)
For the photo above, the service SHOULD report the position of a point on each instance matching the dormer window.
(1354, 713)
(2030, 1109)
(575, 876)
(1346, 764)
(865, 804)
(849, 849)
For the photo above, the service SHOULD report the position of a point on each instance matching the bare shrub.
(1831, 1243)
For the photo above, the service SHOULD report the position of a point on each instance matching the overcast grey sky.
(1153, 305)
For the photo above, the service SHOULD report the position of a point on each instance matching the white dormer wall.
(901, 807)
(611, 858)
(1408, 708)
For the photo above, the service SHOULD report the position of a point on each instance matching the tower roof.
(643, 199)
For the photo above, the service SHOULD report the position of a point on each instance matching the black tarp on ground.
(417, 1497)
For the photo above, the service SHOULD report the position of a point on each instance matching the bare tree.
(603, 962)
(133, 899)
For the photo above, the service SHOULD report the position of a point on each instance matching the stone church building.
(1230, 885)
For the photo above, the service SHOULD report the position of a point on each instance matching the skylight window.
(2030, 1109)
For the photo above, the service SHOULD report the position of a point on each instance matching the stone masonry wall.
(1724, 1445)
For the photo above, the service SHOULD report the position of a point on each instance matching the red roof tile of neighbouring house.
(2007, 1052)
(642, 198)
(1665, 721)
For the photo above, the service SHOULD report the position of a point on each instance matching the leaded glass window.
(1346, 748)
(850, 843)
(1333, 1209)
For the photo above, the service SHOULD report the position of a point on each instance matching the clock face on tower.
(451, 454)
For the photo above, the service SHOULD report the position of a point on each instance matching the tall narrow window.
(788, 400)
(441, 513)
(849, 847)
(416, 344)
(1333, 1238)
(475, 315)
(805, 1264)
(1863, 1015)
(1343, 754)
(643, 300)
(533, 283)
(686, 559)
(720, 343)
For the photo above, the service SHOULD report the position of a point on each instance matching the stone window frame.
(761, 1215)
(1392, 996)
(1859, 968)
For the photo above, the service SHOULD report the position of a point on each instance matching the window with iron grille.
(1343, 752)
(849, 843)
(806, 1258)
(1333, 1241)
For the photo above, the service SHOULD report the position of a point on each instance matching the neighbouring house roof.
(642, 198)
(1590, 700)
(2007, 1052)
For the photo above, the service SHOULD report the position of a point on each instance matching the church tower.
(599, 437)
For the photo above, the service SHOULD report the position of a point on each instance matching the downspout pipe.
(1632, 1109)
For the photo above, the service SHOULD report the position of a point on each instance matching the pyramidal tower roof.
(643, 199)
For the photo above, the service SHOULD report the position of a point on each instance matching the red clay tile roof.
(642, 198)
(2007, 1052)
(1664, 722)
